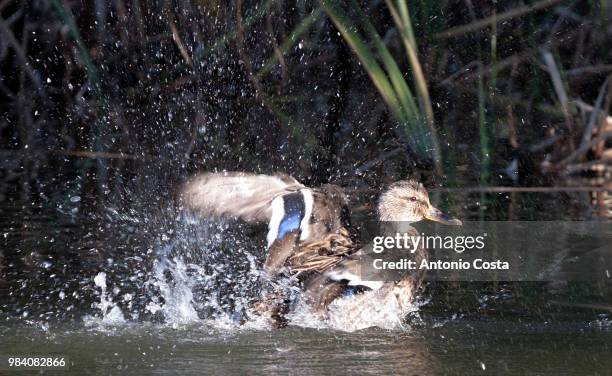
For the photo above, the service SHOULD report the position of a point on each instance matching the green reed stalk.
(389, 81)
(349, 32)
(405, 96)
(404, 25)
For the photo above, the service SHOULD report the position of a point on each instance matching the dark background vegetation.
(99, 97)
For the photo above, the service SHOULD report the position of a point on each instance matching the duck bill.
(434, 214)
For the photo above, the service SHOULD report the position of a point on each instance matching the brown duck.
(308, 237)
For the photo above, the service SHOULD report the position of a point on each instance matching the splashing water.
(203, 273)
(357, 312)
(166, 268)
(170, 271)
(111, 313)
(178, 305)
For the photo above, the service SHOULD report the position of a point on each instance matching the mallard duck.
(308, 235)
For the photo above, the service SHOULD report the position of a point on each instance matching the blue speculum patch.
(288, 224)
(294, 212)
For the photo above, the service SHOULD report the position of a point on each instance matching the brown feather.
(235, 194)
(321, 255)
(320, 292)
(279, 251)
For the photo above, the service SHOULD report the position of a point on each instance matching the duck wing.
(295, 213)
(236, 194)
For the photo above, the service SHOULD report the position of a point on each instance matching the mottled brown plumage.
(319, 256)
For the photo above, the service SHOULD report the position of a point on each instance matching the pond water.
(460, 346)
(130, 290)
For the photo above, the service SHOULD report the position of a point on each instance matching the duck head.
(407, 201)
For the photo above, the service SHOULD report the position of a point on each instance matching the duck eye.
(413, 199)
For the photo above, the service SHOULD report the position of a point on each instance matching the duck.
(310, 239)
(351, 298)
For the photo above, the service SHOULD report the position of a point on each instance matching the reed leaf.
(405, 96)
(349, 32)
(389, 81)
(402, 21)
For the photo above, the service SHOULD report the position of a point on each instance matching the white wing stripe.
(308, 202)
(278, 212)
